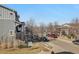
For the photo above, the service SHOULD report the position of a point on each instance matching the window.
(11, 13)
(0, 14)
(19, 28)
(11, 32)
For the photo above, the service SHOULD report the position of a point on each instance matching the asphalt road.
(63, 46)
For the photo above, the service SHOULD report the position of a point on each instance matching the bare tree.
(50, 27)
(55, 24)
(76, 20)
(75, 26)
(30, 24)
(56, 27)
(42, 28)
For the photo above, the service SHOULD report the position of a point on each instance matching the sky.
(45, 13)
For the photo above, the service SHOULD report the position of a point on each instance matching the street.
(63, 46)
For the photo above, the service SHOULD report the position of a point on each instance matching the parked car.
(76, 42)
(36, 38)
(44, 39)
(52, 36)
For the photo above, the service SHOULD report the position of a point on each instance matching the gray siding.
(7, 22)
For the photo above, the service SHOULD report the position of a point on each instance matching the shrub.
(22, 46)
(70, 36)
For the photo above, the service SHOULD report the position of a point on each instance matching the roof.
(71, 25)
(12, 11)
(7, 8)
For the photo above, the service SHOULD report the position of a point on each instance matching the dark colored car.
(76, 42)
(36, 38)
(44, 39)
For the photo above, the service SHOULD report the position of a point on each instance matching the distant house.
(71, 28)
(9, 19)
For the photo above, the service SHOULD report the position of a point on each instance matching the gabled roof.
(7, 8)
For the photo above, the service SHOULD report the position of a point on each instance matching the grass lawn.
(36, 48)
(20, 51)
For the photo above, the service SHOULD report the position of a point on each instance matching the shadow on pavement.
(64, 52)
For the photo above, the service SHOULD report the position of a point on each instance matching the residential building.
(9, 19)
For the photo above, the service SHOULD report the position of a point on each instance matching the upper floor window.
(0, 14)
(11, 13)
